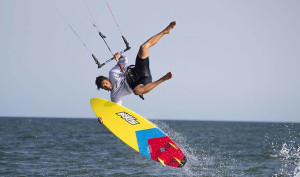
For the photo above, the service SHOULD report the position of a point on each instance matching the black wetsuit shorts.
(142, 72)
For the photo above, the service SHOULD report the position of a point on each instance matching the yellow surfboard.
(138, 133)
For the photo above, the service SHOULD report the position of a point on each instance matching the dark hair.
(99, 80)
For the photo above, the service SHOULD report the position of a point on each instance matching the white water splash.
(192, 159)
(290, 158)
(297, 169)
(285, 151)
(199, 161)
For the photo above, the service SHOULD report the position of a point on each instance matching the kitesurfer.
(136, 79)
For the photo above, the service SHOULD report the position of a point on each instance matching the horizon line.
(162, 119)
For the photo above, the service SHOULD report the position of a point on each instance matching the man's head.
(103, 83)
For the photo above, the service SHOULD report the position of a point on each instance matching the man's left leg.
(142, 89)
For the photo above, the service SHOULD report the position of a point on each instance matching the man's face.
(106, 85)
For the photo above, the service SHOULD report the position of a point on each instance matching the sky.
(232, 60)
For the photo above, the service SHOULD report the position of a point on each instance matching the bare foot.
(168, 76)
(171, 26)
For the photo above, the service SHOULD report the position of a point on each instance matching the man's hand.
(100, 120)
(117, 56)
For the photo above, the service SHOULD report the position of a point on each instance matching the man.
(123, 80)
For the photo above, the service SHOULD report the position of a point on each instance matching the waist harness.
(132, 78)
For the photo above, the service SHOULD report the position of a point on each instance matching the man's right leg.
(144, 48)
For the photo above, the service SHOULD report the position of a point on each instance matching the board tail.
(182, 162)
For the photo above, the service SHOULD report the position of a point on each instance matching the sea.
(83, 147)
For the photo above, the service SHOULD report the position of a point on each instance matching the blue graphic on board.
(142, 137)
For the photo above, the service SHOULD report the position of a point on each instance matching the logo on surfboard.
(129, 118)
